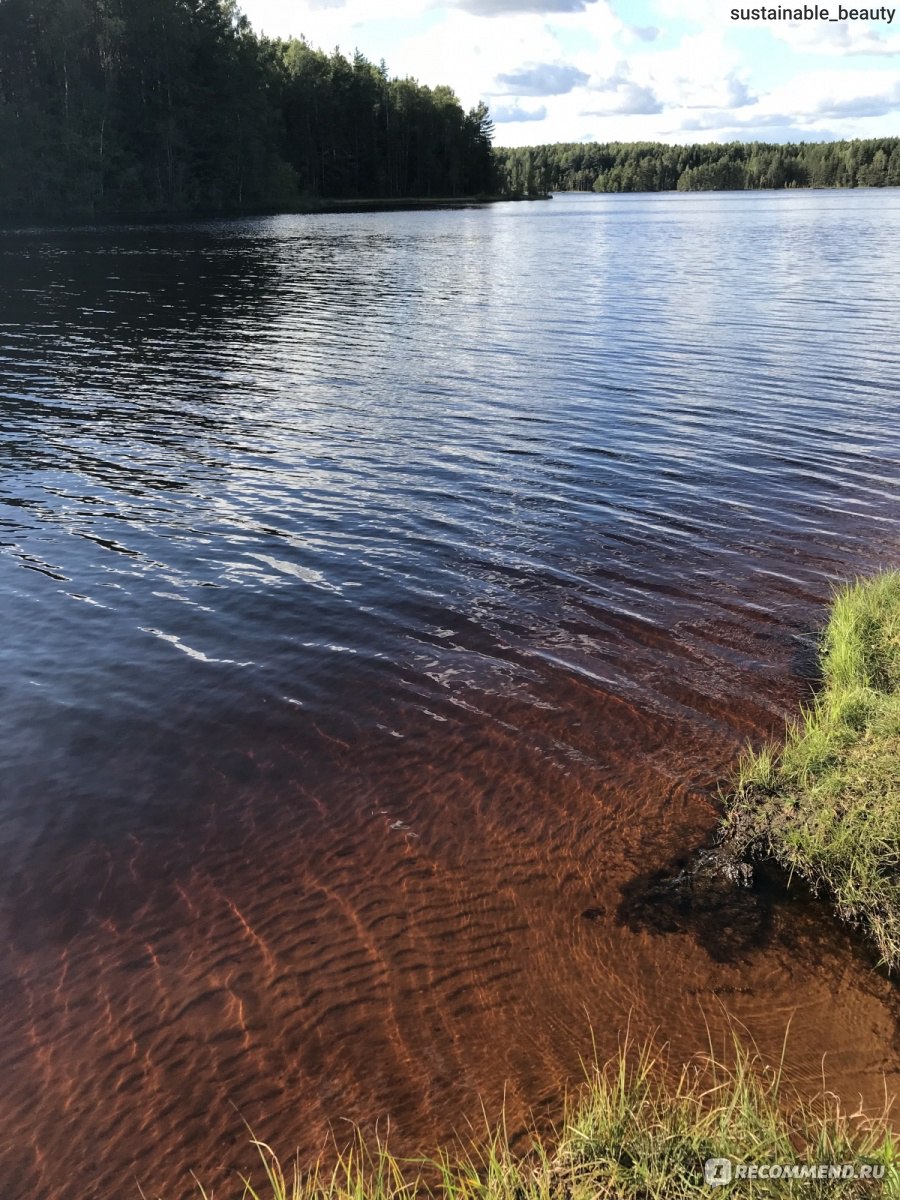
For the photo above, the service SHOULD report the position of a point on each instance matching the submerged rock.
(713, 895)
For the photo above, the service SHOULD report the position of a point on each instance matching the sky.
(627, 70)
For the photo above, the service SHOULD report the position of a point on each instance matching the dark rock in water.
(712, 895)
(716, 864)
(594, 914)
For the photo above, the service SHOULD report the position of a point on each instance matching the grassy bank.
(826, 805)
(636, 1132)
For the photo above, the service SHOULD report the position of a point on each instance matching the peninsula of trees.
(136, 106)
(734, 166)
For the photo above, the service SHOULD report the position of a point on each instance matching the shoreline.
(825, 805)
(639, 1128)
(313, 206)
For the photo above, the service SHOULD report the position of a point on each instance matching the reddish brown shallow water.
(375, 632)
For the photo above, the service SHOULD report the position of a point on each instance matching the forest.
(129, 107)
(142, 106)
(732, 166)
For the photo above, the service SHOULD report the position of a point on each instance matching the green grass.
(637, 1131)
(826, 805)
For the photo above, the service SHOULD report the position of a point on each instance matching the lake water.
(383, 596)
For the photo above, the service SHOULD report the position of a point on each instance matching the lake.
(384, 596)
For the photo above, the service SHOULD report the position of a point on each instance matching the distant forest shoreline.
(129, 109)
(710, 167)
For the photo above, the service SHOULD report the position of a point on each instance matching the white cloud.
(805, 108)
(541, 79)
(832, 93)
(644, 33)
(728, 92)
(620, 94)
(482, 58)
(328, 23)
(494, 8)
(708, 15)
(681, 68)
(507, 114)
(845, 38)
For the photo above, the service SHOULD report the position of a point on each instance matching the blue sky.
(668, 70)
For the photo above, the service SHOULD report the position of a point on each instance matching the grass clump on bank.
(827, 805)
(636, 1132)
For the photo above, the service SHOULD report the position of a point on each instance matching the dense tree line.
(111, 106)
(654, 167)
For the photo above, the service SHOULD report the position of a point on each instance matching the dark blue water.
(379, 594)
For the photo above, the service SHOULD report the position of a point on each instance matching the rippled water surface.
(382, 597)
